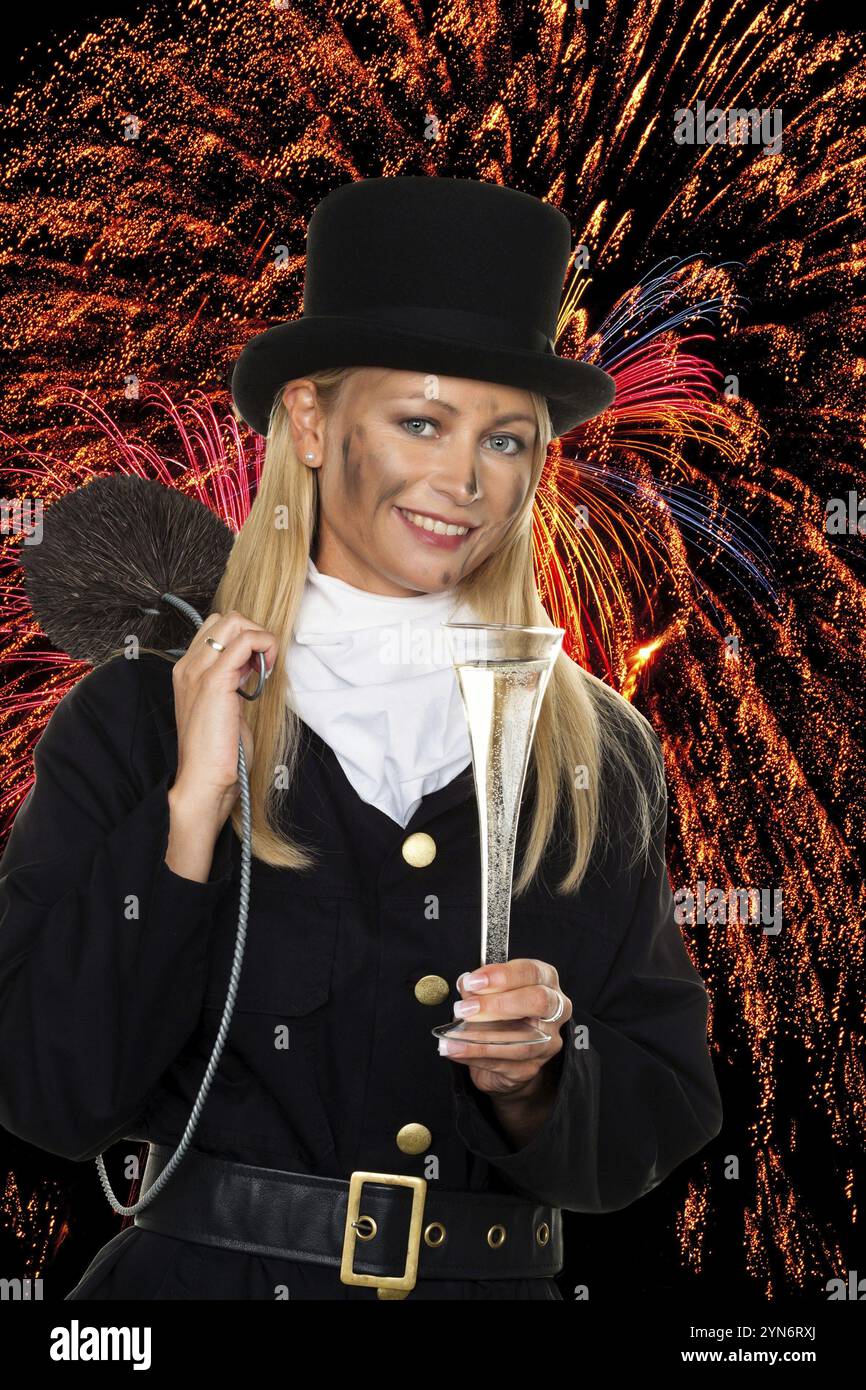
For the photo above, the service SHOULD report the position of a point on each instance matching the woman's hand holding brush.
(210, 722)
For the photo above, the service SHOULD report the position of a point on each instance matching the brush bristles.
(109, 550)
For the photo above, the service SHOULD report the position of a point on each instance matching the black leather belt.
(372, 1226)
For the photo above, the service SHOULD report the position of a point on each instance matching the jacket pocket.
(270, 1103)
(289, 953)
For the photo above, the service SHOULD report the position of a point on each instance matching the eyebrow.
(446, 405)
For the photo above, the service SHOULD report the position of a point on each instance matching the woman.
(420, 384)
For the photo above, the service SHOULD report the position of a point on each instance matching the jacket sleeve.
(102, 946)
(636, 1092)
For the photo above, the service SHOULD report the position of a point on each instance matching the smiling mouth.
(437, 528)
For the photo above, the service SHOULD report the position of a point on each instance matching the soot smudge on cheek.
(517, 500)
(351, 471)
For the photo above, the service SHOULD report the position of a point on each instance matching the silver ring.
(554, 1018)
(217, 646)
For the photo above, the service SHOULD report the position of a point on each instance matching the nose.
(455, 473)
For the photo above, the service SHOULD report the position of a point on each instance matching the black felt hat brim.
(575, 391)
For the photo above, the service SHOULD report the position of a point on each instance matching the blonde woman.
(407, 415)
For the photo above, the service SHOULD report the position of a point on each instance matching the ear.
(306, 421)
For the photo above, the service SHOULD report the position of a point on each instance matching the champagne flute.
(502, 671)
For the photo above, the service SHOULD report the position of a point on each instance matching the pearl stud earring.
(309, 456)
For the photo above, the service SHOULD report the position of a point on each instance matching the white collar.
(332, 605)
(372, 675)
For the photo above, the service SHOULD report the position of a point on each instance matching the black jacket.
(113, 975)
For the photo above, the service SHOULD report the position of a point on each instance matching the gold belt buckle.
(406, 1280)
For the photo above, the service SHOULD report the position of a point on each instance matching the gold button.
(419, 850)
(414, 1139)
(431, 989)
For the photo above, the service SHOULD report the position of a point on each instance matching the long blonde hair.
(586, 731)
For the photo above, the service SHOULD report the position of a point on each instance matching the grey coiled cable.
(237, 961)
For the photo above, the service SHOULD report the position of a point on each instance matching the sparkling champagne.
(502, 671)
(502, 700)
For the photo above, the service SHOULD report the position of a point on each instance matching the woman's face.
(462, 454)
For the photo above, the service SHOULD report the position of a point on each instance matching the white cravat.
(372, 675)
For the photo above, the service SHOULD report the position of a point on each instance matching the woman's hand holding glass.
(517, 989)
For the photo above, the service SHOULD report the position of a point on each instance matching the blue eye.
(509, 438)
(422, 420)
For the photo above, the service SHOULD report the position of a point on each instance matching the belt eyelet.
(371, 1230)
(542, 1233)
(496, 1236)
(434, 1234)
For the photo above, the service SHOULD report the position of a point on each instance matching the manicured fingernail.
(466, 1006)
(475, 981)
(450, 1049)
(268, 672)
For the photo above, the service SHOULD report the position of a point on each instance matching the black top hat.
(436, 275)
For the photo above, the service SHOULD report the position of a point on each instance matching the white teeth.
(426, 523)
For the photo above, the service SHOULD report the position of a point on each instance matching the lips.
(440, 539)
